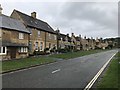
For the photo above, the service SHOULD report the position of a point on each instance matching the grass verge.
(111, 77)
(32, 61)
(75, 54)
(26, 62)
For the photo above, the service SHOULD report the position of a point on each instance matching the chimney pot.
(72, 34)
(67, 34)
(33, 14)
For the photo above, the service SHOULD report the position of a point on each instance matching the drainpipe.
(45, 40)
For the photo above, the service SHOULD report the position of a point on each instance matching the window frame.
(49, 35)
(23, 50)
(39, 33)
(41, 46)
(55, 37)
(1, 52)
(21, 35)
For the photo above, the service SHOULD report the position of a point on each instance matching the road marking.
(37, 66)
(90, 84)
(56, 71)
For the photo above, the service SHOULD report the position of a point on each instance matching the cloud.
(86, 18)
(93, 19)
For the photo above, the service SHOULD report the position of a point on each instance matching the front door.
(13, 52)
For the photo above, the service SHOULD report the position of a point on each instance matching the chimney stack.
(0, 9)
(68, 35)
(33, 14)
(72, 34)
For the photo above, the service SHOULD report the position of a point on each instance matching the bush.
(65, 50)
(39, 53)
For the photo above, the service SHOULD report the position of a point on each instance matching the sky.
(89, 18)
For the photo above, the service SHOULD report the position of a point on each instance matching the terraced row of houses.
(22, 35)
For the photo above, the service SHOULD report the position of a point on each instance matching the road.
(73, 73)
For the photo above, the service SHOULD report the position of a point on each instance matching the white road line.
(56, 71)
(90, 84)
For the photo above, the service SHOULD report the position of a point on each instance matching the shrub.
(39, 53)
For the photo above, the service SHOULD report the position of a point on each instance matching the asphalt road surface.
(73, 73)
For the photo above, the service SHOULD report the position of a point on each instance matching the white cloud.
(86, 18)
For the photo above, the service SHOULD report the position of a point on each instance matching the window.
(41, 45)
(2, 50)
(55, 37)
(21, 36)
(66, 38)
(36, 46)
(23, 49)
(49, 36)
(39, 33)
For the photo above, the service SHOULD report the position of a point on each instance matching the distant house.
(84, 44)
(91, 43)
(42, 35)
(14, 38)
(78, 43)
(101, 44)
(73, 42)
(64, 41)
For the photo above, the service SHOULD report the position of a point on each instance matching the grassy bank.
(75, 54)
(111, 77)
(32, 61)
(27, 62)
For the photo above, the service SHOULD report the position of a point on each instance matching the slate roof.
(77, 38)
(63, 36)
(12, 24)
(36, 23)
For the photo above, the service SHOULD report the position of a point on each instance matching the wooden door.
(13, 52)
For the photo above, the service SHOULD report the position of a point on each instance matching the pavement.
(72, 73)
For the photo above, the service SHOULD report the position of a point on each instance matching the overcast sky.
(91, 19)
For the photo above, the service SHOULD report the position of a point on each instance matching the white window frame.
(55, 37)
(23, 50)
(21, 35)
(49, 36)
(41, 46)
(36, 45)
(39, 33)
(1, 52)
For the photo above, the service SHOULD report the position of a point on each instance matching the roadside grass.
(26, 62)
(111, 77)
(33, 61)
(75, 54)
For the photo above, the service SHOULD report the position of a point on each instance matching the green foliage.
(112, 76)
(39, 53)
(69, 55)
(26, 62)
